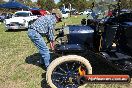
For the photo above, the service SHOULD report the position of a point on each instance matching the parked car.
(4, 16)
(81, 46)
(86, 12)
(20, 20)
(65, 14)
(39, 12)
(80, 13)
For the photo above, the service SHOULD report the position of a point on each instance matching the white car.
(86, 12)
(80, 13)
(20, 20)
(65, 15)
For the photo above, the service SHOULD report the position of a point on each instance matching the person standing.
(43, 26)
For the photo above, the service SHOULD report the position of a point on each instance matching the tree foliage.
(22, 1)
(2, 1)
(30, 3)
(41, 3)
(78, 4)
(46, 4)
(50, 4)
(127, 4)
(81, 5)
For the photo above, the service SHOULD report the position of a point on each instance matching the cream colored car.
(20, 20)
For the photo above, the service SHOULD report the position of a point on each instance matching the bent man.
(43, 26)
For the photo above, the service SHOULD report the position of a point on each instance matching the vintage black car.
(109, 38)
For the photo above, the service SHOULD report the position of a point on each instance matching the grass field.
(18, 57)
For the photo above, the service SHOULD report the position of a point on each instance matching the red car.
(39, 12)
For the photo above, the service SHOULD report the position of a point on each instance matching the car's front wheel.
(64, 71)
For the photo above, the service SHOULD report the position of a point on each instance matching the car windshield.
(21, 14)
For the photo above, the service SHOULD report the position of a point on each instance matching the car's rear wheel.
(64, 71)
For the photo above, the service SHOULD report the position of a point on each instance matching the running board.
(115, 56)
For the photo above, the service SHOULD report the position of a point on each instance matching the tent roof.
(13, 5)
(1, 6)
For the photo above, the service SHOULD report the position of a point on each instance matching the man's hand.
(52, 45)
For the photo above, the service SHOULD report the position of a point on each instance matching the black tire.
(66, 59)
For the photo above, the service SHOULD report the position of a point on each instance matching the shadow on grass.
(34, 59)
(16, 30)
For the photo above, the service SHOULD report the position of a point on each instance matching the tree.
(50, 4)
(46, 4)
(78, 4)
(29, 3)
(34, 4)
(2, 1)
(41, 3)
(22, 1)
(127, 4)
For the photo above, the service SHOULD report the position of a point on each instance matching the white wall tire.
(61, 60)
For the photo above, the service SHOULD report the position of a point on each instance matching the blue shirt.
(45, 24)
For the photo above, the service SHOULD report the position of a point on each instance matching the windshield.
(21, 14)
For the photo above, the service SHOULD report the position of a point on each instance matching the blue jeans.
(39, 42)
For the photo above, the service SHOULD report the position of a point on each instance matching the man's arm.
(52, 21)
(51, 37)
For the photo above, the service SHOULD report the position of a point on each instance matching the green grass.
(73, 20)
(16, 48)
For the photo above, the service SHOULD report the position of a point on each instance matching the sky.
(56, 1)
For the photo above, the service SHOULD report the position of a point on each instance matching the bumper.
(16, 27)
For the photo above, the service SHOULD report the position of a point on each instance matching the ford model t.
(109, 38)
